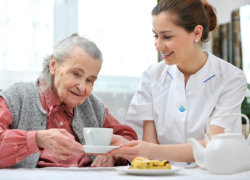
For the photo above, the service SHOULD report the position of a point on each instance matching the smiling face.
(174, 43)
(74, 78)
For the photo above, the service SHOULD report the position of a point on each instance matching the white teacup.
(97, 136)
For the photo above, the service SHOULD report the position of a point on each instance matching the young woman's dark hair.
(189, 13)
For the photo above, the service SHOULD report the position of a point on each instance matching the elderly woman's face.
(75, 77)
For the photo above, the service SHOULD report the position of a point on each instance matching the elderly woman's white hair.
(63, 49)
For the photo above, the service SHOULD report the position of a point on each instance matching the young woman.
(178, 95)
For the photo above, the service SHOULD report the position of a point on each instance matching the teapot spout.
(198, 151)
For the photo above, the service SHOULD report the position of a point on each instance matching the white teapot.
(225, 153)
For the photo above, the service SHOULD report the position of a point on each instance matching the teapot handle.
(229, 115)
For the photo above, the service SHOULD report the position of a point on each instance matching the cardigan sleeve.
(15, 145)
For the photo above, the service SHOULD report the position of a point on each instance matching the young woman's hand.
(117, 140)
(132, 149)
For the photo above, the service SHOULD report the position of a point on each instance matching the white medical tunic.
(181, 112)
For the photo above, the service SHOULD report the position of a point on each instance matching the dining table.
(112, 173)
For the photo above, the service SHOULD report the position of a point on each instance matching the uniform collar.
(52, 101)
(206, 73)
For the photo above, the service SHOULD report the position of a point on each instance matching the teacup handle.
(229, 115)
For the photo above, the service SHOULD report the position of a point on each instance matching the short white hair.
(63, 49)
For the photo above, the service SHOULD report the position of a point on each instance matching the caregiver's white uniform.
(181, 112)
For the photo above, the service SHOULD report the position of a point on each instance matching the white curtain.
(245, 38)
(28, 31)
(26, 36)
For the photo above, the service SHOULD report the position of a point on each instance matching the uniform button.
(182, 109)
(61, 123)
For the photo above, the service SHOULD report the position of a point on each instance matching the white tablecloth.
(109, 174)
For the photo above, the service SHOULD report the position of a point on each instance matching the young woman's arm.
(175, 152)
(149, 132)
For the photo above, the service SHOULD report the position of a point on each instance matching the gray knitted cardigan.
(28, 114)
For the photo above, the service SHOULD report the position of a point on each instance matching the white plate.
(80, 168)
(98, 149)
(127, 170)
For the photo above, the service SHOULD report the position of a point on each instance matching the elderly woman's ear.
(52, 65)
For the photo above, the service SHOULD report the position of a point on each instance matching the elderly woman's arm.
(15, 145)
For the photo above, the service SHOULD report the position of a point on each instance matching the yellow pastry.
(144, 163)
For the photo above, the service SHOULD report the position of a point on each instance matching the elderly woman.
(41, 123)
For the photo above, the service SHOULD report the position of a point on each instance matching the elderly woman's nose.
(82, 86)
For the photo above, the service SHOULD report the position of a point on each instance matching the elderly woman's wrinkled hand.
(108, 160)
(105, 160)
(59, 142)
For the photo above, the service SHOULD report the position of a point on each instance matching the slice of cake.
(144, 163)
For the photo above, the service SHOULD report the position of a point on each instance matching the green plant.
(245, 106)
(245, 109)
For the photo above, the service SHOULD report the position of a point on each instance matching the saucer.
(98, 149)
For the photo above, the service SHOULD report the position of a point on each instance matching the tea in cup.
(97, 136)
